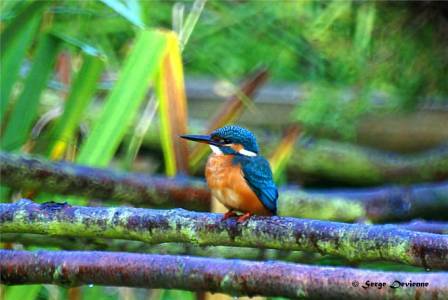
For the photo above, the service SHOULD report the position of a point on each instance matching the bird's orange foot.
(244, 217)
(228, 214)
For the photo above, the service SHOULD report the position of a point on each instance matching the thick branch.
(24, 172)
(235, 277)
(381, 204)
(353, 242)
(364, 166)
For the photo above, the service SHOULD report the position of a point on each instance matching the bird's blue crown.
(233, 134)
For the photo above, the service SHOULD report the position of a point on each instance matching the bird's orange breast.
(228, 186)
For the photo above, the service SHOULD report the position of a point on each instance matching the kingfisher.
(236, 174)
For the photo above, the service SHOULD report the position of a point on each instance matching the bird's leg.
(244, 217)
(228, 214)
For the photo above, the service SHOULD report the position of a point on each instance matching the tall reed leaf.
(12, 57)
(25, 110)
(130, 13)
(23, 12)
(121, 105)
(80, 95)
(173, 108)
(184, 31)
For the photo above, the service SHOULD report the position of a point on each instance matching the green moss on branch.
(354, 242)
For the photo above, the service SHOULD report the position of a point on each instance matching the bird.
(237, 175)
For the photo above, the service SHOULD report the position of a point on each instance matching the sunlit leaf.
(21, 292)
(173, 108)
(121, 105)
(80, 95)
(129, 12)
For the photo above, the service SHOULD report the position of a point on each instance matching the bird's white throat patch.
(216, 150)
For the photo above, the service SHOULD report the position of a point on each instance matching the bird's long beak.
(201, 139)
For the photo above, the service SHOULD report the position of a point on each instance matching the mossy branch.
(354, 242)
(343, 162)
(235, 277)
(380, 204)
(74, 243)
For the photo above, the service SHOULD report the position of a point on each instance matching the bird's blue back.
(258, 175)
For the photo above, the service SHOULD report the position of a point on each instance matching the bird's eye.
(221, 140)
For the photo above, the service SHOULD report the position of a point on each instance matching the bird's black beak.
(201, 139)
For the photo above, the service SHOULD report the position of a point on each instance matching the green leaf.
(12, 57)
(80, 95)
(28, 292)
(78, 43)
(130, 13)
(26, 11)
(123, 102)
(25, 110)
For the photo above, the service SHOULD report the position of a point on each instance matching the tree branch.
(352, 241)
(366, 166)
(26, 172)
(235, 277)
(71, 243)
(380, 204)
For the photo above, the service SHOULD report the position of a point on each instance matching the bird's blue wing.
(258, 175)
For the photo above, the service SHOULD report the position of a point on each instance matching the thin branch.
(423, 226)
(235, 277)
(380, 204)
(354, 242)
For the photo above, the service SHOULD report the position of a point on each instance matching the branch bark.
(235, 277)
(379, 205)
(354, 242)
(342, 162)
(26, 172)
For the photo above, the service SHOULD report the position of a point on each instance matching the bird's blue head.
(229, 139)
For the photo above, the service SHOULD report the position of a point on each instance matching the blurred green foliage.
(351, 58)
